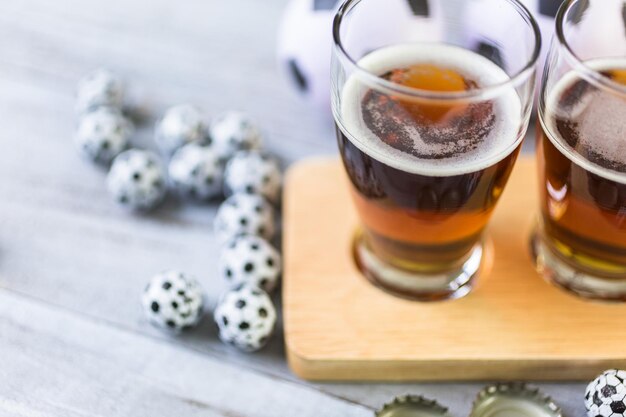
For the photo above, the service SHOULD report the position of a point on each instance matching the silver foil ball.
(196, 171)
(251, 260)
(103, 134)
(246, 318)
(179, 126)
(605, 396)
(253, 172)
(97, 89)
(245, 214)
(137, 179)
(173, 300)
(234, 131)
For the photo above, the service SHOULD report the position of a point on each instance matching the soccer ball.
(588, 41)
(304, 42)
(305, 37)
(606, 395)
(497, 40)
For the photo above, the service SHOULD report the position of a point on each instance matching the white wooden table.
(73, 341)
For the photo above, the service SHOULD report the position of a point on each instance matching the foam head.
(589, 122)
(423, 135)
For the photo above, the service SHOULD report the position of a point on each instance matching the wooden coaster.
(513, 325)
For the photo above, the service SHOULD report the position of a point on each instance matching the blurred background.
(218, 55)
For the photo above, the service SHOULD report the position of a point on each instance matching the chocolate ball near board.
(103, 134)
(195, 171)
(173, 300)
(100, 88)
(605, 396)
(251, 260)
(246, 318)
(137, 179)
(245, 214)
(180, 125)
(234, 131)
(253, 172)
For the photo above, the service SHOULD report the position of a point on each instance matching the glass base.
(567, 274)
(444, 285)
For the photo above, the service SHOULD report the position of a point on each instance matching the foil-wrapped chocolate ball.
(251, 260)
(173, 300)
(97, 89)
(605, 396)
(103, 134)
(246, 317)
(234, 131)
(137, 179)
(179, 126)
(253, 172)
(195, 171)
(245, 214)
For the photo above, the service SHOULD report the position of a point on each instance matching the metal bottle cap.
(514, 400)
(413, 406)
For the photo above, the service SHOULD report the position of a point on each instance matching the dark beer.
(426, 174)
(582, 153)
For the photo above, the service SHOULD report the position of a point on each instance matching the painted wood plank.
(55, 363)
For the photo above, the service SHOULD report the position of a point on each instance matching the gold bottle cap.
(514, 400)
(413, 406)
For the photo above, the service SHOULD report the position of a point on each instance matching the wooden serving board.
(513, 325)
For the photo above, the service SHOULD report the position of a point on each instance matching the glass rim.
(490, 90)
(578, 64)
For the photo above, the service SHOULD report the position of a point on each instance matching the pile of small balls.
(200, 161)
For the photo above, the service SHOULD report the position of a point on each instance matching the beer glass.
(431, 101)
(581, 149)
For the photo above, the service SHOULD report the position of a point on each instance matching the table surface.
(73, 340)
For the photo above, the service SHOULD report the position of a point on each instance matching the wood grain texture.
(71, 261)
(512, 325)
(114, 371)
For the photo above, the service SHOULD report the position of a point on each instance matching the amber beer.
(582, 154)
(426, 174)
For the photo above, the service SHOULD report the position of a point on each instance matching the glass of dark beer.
(431, 101)
(581, 148)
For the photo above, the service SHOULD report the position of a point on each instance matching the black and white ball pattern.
(251, 260)
(494, 41)
(253, 172)
(606, 395)
(195, 171)
(102, 134)
(173, 300)
(99, 88)
(246, 318)
(137, 179)
(305, 37)
(234, 131)
(179, 126)
(245, 214)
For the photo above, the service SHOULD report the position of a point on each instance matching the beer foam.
(503, 137)
(600, 118)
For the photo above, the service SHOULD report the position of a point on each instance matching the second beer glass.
(430, 113)
(580, 243)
